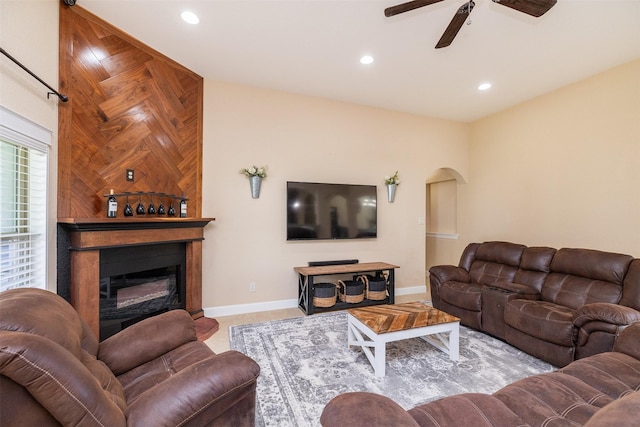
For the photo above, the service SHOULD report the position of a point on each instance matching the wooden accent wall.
(129, 107)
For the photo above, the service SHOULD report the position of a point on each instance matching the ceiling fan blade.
(535, 8)
(405, 7)
(456, 23)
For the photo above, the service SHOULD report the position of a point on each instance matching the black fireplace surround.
(137, 282)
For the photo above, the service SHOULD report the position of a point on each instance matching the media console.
(306, 277)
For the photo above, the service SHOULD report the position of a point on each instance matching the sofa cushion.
(495, 261)
(591, 264)
(622, 412)
(60, 323)
(58, 381)
(541, 319)
(631, 290)
(614, 374)
(107, 380)
(469, 409)
(488, 273)
(463, 295)
(500, 253)
(553, 399)
(365, 409)
(144, 377)
(573, 291)
(584, 276)
(534, 267)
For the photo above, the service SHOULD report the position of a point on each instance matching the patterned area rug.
(305, 362)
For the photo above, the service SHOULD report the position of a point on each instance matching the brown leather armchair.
(54, 372)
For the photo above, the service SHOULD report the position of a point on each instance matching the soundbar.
(334, 262)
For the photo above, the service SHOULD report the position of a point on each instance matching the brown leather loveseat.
(602, 390)
(155, 373)
(558, 305)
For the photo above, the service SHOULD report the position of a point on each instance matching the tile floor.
(219, 342)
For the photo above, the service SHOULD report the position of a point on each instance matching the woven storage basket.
(375, 287)
(351, 291)
(324, 295)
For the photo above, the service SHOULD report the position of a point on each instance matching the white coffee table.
(373, 327)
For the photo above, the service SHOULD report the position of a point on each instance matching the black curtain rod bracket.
(63, 98)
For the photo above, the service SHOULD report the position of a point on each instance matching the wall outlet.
(252, 287)
(129, 175)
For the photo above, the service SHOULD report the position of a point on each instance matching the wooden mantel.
(88, 236)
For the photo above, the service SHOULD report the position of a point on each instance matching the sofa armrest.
(628, 341)
(360, 409)
(613, 314)
(212, 385)
(445, 273)
(147, 340)
(57, 380)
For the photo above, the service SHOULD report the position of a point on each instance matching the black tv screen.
(331, 211)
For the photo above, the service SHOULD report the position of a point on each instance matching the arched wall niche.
(446, 174)
(441, 238)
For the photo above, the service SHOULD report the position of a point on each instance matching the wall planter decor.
(391, 192)
(255, 182)
(392, 183)
(256, 175)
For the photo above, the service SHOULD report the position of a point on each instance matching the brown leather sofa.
(602, 390)
(155, 373)
(558, 305)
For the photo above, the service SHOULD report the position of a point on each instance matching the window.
(23, 202)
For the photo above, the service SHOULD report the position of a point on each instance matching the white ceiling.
(313, 47)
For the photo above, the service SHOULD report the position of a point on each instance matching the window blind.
(23, 211)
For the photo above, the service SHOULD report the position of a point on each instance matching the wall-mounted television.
(317, 211)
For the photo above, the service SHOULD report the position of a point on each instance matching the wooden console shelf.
(306, 276)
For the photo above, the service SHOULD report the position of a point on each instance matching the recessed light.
(366, 60)
(484, 86)
(190, 17)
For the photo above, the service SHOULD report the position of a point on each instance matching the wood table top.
(400, 317)
(344, 268)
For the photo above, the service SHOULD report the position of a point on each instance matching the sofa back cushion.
(43, 313)
(468, 255)
(47, 315)
(496, 262)
(535, 265)
(631, 286)
(584, 276)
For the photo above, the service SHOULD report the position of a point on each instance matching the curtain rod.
(62, 97)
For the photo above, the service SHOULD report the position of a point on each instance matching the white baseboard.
(230, 310)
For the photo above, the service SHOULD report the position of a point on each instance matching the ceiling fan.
(534, 8)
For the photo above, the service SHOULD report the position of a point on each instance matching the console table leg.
(392, 286)
(309, 294)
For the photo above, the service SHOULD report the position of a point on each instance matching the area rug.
(305, 362)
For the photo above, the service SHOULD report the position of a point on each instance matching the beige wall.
(310, 139)
(561, 170)
(29, 32)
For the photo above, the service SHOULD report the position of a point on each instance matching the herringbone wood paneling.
(129, 107)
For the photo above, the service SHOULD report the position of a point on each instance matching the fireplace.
(139, 282)
(116, 273)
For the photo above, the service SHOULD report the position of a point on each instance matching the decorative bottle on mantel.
(183, 208)
(112, 205)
